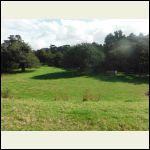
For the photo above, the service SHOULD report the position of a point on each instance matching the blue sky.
(44, 32)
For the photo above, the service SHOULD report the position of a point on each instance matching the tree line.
(129, 54)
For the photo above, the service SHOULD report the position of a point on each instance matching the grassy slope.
(52, 99)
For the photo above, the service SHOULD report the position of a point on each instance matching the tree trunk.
(23, 67)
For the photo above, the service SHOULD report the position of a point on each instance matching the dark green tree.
(15, 53)
(84, 56)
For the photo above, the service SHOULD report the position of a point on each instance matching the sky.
(42, 33)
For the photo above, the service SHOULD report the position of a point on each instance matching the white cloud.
(43, 33)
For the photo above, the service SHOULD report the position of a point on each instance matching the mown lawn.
(49, 98)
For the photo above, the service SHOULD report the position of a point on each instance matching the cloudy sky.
(44, 32)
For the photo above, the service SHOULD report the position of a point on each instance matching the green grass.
(51, 98)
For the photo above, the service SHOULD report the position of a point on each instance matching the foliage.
(84, 57)
(128, 54)
(15, 53)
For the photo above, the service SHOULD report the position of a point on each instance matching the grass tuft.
(6, 93)
(88, 95)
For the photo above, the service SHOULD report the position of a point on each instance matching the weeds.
(6, 93)
(61, 96)
(88, 95)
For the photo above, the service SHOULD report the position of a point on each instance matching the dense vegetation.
(15, 53)
(128, 54)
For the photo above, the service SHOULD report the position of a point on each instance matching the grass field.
(49, 98)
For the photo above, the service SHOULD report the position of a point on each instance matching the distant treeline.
(119, 52)
(128, 54)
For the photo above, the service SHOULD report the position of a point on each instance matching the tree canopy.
(129, 54)
(15, 53)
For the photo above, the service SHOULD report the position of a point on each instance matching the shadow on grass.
(58, 75)
(102, 77)
(135, 79)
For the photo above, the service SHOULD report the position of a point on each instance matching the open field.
(49, 98)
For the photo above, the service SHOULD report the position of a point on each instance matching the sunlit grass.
(50, 98)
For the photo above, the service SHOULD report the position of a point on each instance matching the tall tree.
(15, 53)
